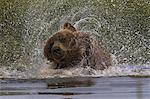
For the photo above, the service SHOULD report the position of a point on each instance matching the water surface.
(76, 88)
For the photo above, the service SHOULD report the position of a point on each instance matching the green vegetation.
(11, 31)
(122, 25)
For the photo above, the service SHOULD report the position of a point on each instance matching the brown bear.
(69, 48)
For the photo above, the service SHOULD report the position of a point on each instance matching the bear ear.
(67, 25)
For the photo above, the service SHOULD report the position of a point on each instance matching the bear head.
(66, 48)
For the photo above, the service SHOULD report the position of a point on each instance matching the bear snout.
(58, 51)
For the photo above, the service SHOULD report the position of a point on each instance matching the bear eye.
(62, 39)
(50, 44)
(72, 42)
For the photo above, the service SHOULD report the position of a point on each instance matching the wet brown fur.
(79, 49)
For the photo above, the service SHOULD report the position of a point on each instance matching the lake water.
(76, 88)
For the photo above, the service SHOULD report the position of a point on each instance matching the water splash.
(122, 27)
